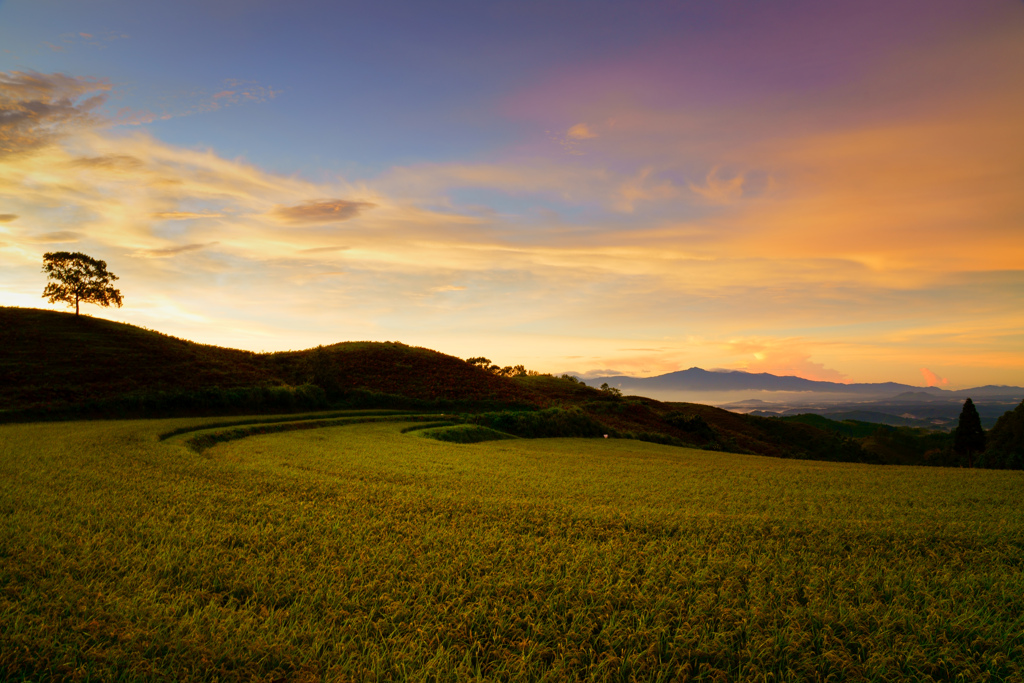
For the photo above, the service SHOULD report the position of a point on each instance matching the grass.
(360, 552)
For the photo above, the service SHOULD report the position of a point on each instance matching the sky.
(833, 190)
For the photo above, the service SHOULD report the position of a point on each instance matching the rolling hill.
(54, 360)
(58, 366)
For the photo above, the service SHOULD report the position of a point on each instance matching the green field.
(361, 553)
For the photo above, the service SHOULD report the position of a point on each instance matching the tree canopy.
(76, 277)
(1006, 440)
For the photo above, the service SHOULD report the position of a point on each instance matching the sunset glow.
(829, 190)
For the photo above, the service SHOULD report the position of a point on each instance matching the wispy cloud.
(323, 250)
(720, 190)
(61, 236)
(580, 131)
(109, 162)
(37, 109)
(320, 211)
(168, 252)
(185, 215)
(643, 187)
(82, 38)
(231, 92)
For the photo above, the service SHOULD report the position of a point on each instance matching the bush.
(694, 425)
(465, 434)
(539, 424)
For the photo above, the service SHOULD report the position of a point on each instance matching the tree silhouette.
(1006, 440)
(970, 436)
(77, 278)
(613, 391)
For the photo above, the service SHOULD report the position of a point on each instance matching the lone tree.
(969, 437)
(76, 277)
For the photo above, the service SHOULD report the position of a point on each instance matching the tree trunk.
(76, 304)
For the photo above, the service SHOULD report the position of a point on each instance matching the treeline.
(1004, 448)
(1001, 447)
(209, 401)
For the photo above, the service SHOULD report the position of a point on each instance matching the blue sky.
(822, 189)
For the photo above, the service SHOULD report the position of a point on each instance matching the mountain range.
(770, 395)
(697, 379)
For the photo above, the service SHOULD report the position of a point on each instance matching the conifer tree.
(969, 437)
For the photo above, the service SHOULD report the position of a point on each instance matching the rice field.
(360, 552)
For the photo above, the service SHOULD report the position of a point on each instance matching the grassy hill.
(59, 365)
(56, 360)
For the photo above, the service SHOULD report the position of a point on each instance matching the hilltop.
(55, 360)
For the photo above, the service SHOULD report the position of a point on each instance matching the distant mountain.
(696, 379)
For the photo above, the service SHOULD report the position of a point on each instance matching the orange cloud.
(167, 252)
(185, 215)
(931, 379)
(581, 131)
(111, 162)
(640, 188)
(777, 357)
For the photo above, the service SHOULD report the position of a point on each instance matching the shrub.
(692, 424)
(538, 424)
(465, 434)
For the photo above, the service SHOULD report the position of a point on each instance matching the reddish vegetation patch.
(394, 368)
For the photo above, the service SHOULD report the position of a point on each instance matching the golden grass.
(359, 552)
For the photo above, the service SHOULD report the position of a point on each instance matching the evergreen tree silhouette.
(969, 437)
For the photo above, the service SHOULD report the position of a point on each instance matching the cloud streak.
(168, 252)
(320, 211)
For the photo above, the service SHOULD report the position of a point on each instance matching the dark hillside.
(846, 427)
(771, 436)
(49, 358)
(53, 360)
